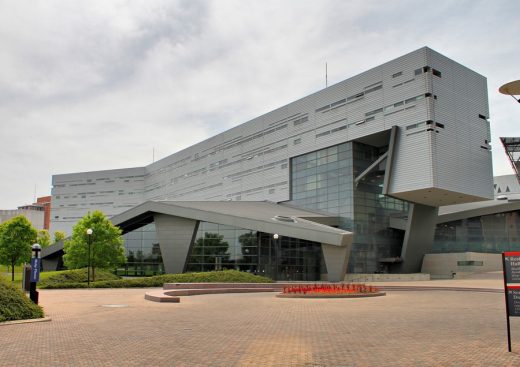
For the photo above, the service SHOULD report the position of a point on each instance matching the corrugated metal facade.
(251, 161)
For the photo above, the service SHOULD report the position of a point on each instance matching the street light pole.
(89, 235)
(276, 236)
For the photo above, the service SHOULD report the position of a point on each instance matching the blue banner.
(35, 269)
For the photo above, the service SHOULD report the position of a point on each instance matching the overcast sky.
(92, 85)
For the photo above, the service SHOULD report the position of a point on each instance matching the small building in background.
(45, 202)
(38, 213)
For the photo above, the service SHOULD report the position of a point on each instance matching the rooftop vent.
(283, 218)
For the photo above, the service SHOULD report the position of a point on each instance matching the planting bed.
(330, 291)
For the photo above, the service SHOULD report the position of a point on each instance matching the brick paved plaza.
(404, 328)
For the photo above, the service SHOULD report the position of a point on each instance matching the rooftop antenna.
(326, 76)
(153, 154)
(34, 201)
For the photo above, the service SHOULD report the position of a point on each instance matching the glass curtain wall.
(373, 239)
(494, 233)
(219, 246)
(143, 253)
(324, 180)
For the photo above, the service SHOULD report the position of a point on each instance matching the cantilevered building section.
(398, 140)
(512, 147)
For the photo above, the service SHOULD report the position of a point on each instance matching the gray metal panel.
(250, 161)
(418, 238)
(175, 235)
(461, 162)
(336, 261)
(111, 191)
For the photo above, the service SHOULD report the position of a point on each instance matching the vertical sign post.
(35, 272)
(511, 266)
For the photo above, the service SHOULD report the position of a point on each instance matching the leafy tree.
(43, 238)
(17, 235)
(58, 236)
(106, 248)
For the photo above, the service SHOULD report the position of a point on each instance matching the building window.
(470, 263)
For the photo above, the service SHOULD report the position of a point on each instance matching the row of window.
(424, 124)
(425, 69)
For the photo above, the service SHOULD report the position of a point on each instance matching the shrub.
(225, 276)
(14, 304)
(62, 279)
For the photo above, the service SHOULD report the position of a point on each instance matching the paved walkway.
(405, 328)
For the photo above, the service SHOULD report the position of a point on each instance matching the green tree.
(58, 236)
(17, 235)
(106, 247)
(43, 238)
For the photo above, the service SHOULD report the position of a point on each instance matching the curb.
(28, 321)
(435, 288)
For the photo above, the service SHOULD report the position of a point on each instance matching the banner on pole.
(35, 269)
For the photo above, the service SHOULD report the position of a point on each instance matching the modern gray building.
(397, 141)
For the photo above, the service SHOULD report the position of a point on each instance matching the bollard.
(26, 284)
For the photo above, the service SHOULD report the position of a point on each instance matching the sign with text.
(513, 300)
(512, 267)
(35, 269)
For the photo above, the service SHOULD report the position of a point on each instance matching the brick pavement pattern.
(404, 328)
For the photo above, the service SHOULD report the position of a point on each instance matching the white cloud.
(99, 84)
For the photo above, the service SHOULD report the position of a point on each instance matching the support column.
(336, 260)
(175, 235)
(418, 239)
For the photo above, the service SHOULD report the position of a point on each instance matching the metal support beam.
(512, 148)
(418, 238)
(390, 159)
(370, 168)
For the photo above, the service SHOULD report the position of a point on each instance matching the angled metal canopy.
(261, 216)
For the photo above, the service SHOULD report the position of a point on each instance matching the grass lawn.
(5, 274)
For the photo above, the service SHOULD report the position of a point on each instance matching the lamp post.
(276, 236)
(35, 272)
(89, 235)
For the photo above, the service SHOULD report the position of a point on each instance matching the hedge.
(225, 276)
(15, 305)
(58, 278)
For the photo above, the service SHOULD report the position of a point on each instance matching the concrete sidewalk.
(114, 327)
(452, 283)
